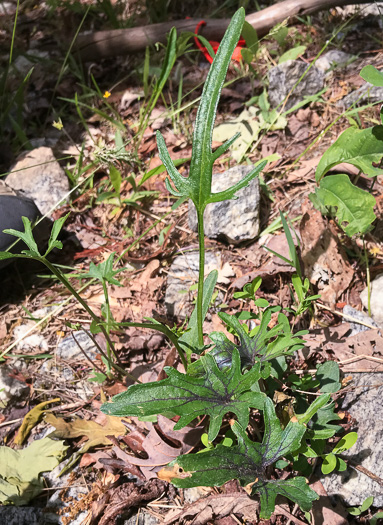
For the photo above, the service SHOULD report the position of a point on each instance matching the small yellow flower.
(375, 250)
(107, 94)
(58, 125)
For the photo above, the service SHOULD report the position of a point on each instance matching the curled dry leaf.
(159, 452)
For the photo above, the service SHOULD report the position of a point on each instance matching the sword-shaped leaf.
(215, 394)
(197, 186)
(247, 461)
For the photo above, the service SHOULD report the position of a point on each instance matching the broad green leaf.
(354, 511)
(249, 289)
(189, 340)
(20, 470)
(27, 237)
(329, 463)
(215, 394)
(359, 147)
(103, 271)
(328, 376)
(115, 178)
(292, 54)
(341, 465)
(355, 207)
(345, 443)
(250, 36)
(376, 517)
(371, 74)
(319, 403)
(246, 461)
(247, 55)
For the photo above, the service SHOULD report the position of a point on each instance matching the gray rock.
(39, 176)
(11, 388)
(24, 63)
(356, 328)
(67, 349)
(372, 9)
(376, 300)
(333, 58)
(283, 78)
(35, 340)
(237, 220)
(365, 405)
(21, 516)
(57, 508)
(183, 273)
(366, 94)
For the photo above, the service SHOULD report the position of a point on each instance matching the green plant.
(103, 272)
(240, 378)
(302, 299)
(357, 511)
(227, 377)
(336, 195)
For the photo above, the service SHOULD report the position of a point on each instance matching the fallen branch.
(106, 44)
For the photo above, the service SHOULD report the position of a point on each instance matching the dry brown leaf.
(215, 507)
(323, 510)
(159, 452)
(147, 279)
(324, 258)
(94, 434)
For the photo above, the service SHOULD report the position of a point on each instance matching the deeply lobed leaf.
(247, 461)
(264, 345)
(215, 394)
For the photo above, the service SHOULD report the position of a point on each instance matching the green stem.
(108, 317)
(201, 274)
(67, 284)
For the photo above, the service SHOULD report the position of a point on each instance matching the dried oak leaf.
(159, 452)
(94, 434)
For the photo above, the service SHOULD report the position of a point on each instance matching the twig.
(348, 317)
(365, 471)
(10, 422)
(281, 510)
